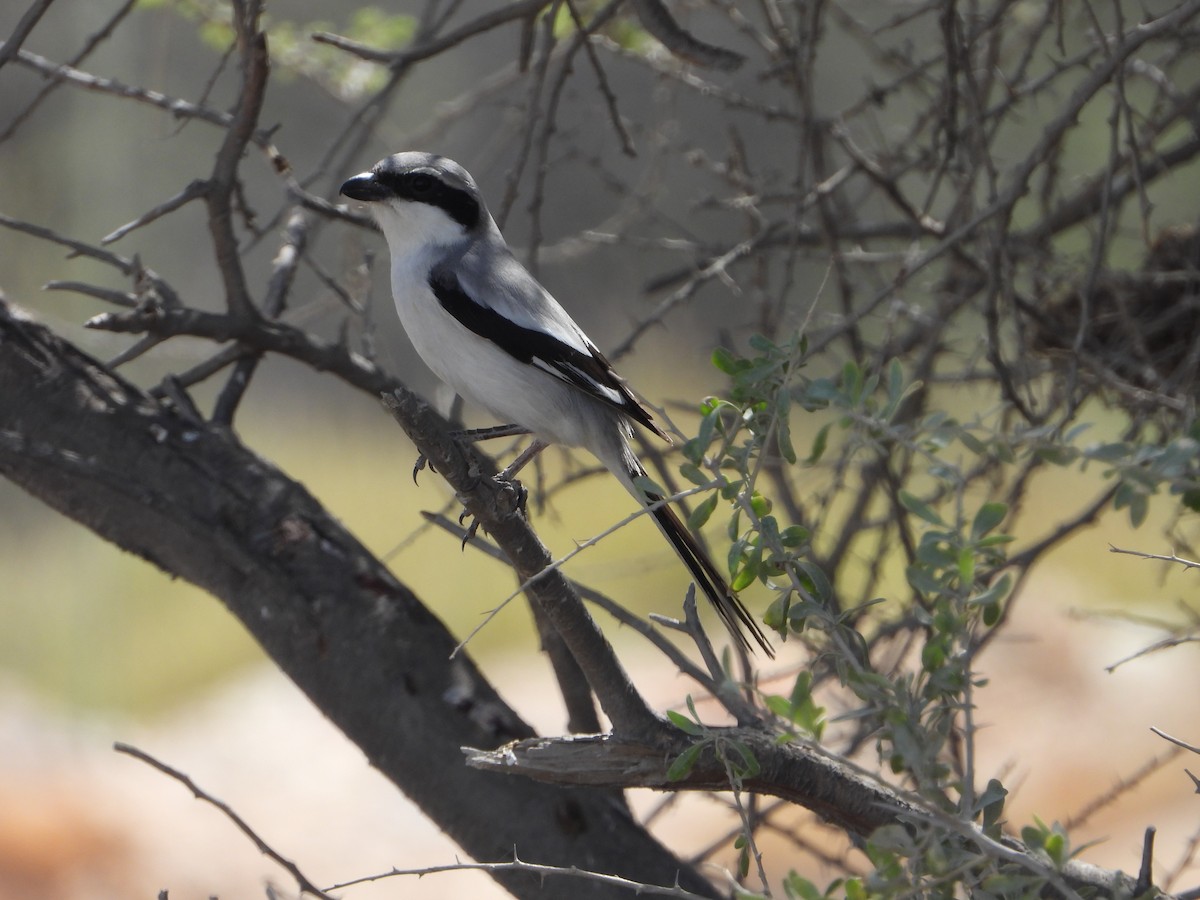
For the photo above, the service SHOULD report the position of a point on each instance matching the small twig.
(656, 19)
(610, 98)
(579, 548)
(223, 183)
(714, 269)
(199, 793)
(108, 295)
(1186, 563)
(124, 264)
(12, 44)
(134, 350)
(696, 632)
(1176, 741)
(179, 108)
(434, 46)
(734, 704)
(1145, 879)
(192, 192)
(1165, 644)
(1123, 786)
(637, 888)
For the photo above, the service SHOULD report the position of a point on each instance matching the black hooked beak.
(365, 187)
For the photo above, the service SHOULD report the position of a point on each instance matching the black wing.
(589, 372)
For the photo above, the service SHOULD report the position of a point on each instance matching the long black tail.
(620, 459)
(728, 606)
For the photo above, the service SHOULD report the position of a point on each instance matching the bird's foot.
(420, 465)
(512, 492)
(472, 529)
(471, 436)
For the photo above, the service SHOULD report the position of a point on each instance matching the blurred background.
(97, 646)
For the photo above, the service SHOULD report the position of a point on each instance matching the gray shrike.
(485, 326)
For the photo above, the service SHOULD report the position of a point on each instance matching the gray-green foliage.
(953, 540)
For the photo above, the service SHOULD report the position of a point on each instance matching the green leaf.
(693, 450)
(747, 764)
(966, 566)
(922, 581)
(702, 512)
(972, 443)
(821, 589)
(991, 803)
(707, 431)
(818, 445)
(692, 473)
(683, 723)
(995, 593)
(802, 689)
(683, 764)
(895, 380)
(989, 516)
(920, 509)
(794, 536)
(933, 656)
(1138, 510)
(744, 578)
(779, 705)
(798, 888)
(762, 344)
(817, 393)
(760, 504)
(1110, 453)
(852, 382)
(783, 426)
(725, 360)
(1055, 847)
(995, 540)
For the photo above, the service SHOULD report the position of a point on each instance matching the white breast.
(482, 373)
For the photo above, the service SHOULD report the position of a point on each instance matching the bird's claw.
(522, 497)
(520, 504)
(472, 529)
(421, 465)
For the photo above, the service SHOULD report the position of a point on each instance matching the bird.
(487, 328)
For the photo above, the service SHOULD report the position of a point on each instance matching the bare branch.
(658, 21)
(641, 889)
(179, 108)
(523, 10)
(252, 45)
(306, 886)
(25, 25)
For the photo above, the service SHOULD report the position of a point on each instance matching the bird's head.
(420, 200)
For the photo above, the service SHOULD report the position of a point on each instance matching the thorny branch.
(302, 881)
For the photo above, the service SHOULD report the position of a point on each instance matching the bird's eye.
(421, 184)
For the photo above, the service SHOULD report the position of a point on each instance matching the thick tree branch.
(492, 503)
(797, 772)
(497, 506)
(191, 499)
(794, 772)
